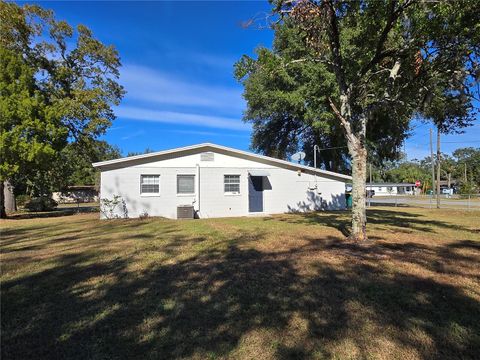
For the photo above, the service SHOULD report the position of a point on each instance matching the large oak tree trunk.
(358, 152)
(3, 213)
(359, 211)
(9, 197)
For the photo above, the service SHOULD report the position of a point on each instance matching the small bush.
(143, 215)
(468, 188)
(41, 204)
(108, 207)
(22, 200)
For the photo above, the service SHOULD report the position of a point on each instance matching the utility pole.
(433, 164)
(315, 149)
(438, 167)
(370, 176)
(369, 201)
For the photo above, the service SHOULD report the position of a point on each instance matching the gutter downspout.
(198, 189)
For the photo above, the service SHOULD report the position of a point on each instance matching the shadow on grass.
(210, 305)
(63, 211)
(401, 221)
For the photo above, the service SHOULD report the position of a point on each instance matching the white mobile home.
(215, 181)
(392, 189)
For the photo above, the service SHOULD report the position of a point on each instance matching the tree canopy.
(355, 73)
(468, 164)
(58, 86)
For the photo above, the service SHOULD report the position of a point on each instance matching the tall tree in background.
(82, 172)
(135, 153)
(373, 62)
(407, 172)
(66, 78)
(448, 168)
(468, 166)
(30, 134)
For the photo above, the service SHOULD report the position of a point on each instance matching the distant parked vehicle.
(447, 191)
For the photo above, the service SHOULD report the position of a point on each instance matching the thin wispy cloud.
(180, 118)
(213, 60)
(148, 85)
(114, 128)
(133, 135)
(208, 133)
(219, 62)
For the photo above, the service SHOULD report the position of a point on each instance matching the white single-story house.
(208, 180)
(388, 189)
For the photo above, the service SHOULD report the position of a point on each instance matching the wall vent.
(207, 156)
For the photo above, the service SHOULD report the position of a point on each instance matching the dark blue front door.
(255, 194)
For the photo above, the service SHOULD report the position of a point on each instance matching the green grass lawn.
(281, 287)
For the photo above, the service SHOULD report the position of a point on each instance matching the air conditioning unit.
(185, 212)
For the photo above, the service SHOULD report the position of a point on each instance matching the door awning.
(258, 173)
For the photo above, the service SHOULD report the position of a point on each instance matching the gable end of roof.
(109, 164)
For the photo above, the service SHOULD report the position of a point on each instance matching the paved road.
(426, 202)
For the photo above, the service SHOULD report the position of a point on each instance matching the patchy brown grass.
(279, 287)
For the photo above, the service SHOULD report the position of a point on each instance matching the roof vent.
(206, 156)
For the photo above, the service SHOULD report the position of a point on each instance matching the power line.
(337, 147)
(445, 142)
(419, 126)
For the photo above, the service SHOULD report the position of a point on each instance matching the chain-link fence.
(457, 201)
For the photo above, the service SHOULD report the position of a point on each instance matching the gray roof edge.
(224, 148)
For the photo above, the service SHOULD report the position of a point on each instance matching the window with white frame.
(231, 184)
(185, 184)
(149, 184)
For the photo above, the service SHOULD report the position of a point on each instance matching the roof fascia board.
(116, 163)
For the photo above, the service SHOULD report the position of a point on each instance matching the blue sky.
(178, 72)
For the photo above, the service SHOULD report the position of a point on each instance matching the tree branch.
(334, 37)
(346, 125)
(317, 60)
(391, 79)
(393, 17)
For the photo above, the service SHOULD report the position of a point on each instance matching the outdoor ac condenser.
(185, 212)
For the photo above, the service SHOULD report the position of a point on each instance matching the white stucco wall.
(284, 190)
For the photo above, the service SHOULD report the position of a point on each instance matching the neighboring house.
(387, 189)
(76, 194)
(216, 181)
